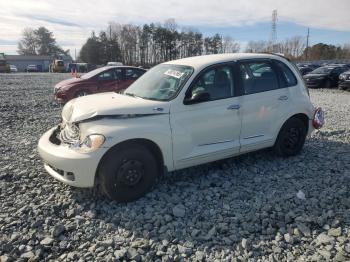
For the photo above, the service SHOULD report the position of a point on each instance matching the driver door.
(108, 80)
(208, 130)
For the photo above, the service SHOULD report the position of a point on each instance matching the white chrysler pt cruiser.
(180, 114)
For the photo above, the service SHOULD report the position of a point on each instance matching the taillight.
(318, 120)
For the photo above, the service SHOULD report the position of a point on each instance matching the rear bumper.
(67, 165)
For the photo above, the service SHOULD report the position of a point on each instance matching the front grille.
(69, 134)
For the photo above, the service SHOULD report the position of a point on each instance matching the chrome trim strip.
(249, 137)
(219, 142)
(221, 152)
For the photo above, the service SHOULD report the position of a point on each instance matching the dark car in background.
(305, 70)
(324, 77)
(104, 79)
(32, 68)
(344, 81)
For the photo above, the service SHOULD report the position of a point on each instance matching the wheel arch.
(147, 143)
(302, 116)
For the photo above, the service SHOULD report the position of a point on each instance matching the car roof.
(199, 62)
(122, 66)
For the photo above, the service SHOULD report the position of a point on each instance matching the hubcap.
(130, 172)
(292, 138)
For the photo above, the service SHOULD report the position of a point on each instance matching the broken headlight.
(91, 143)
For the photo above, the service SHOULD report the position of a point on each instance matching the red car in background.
(104, 79)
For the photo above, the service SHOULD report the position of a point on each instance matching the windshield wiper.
(129, 94)
(132, 95)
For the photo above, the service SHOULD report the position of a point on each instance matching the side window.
(258, 77)
(132, 73)
(107, 75)
(118, 74)
(288, 78)
(338, 70)
(218, 82)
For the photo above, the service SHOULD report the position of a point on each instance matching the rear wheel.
(128, 172)
(291, 138)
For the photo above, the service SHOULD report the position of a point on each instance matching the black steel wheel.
(291, 138)
(127, 173)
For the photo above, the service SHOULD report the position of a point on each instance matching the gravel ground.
(255, 207)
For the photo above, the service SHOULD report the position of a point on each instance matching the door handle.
(234, 107)
(283, 98)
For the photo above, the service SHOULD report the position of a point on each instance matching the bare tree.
(27, 45)
(257, 46)
(229, 45)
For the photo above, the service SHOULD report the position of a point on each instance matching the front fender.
(155, 128)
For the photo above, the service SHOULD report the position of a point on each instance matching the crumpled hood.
(111, 104)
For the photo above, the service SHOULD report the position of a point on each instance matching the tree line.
(39, 41)
(295, 49)
(151, 44)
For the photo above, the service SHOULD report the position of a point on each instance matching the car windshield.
(322, 70)
(161, 83)
(93, 73)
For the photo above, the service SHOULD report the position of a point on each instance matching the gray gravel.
(240, 209)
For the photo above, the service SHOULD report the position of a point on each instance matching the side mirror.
(197, 98)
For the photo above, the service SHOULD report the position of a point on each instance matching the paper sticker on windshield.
(173, 73)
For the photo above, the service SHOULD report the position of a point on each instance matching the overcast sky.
(73, 21)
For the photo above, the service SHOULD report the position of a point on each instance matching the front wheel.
(291, 138)
(127, 172)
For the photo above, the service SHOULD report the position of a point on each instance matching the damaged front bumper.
(67, 165)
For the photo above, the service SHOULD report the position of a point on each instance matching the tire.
(291, 138)
(127, 172)
(81, 93)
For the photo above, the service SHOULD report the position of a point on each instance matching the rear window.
(288, 78)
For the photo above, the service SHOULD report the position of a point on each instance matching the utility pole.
(273, 38)
(307, 43)
(110, 41)
(75, 55)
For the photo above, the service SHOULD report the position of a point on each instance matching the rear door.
(264, 103)
(108, 81)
